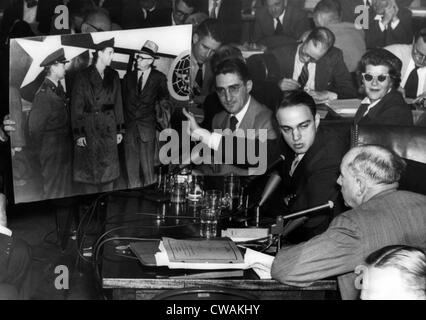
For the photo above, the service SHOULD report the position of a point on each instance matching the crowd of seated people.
(319, 56)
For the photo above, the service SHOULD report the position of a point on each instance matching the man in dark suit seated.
(313, 154)
(228, 13)
(15, 262)
(413, 72)
(316, 66)
(380, 216)
(278, 24)
(145, 14)
(206, 40)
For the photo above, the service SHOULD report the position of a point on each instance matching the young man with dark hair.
(206, 40)
(312, 157)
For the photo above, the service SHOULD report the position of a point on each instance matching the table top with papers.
(131, 215)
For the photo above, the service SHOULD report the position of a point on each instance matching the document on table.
(221, 250)
(261, 263)
(345, 108)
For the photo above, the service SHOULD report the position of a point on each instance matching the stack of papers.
(211, 255)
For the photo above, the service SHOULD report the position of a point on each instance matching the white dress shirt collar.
(240, 115)
(146, 74)
(219, 3)
(422, 76)
(281, 17)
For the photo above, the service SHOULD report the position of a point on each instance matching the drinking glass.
(208, 223)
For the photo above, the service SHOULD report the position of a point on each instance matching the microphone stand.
(278, 228)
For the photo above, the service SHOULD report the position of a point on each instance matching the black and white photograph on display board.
(89, 108)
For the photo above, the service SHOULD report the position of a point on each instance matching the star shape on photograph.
(39, 50)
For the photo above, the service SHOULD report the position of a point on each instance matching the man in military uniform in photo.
(144, 94)
(50, 129)
(97, 122)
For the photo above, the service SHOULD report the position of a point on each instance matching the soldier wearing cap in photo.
(144, 92)
(50, 130)
(97, 122)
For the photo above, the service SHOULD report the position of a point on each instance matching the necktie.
(294, 165)
(304, 76)
(60, 90)
(140, 84)
(199, 76)
(361, 112)
(213, 12)
(233, 121)
(412, 84)
(279, 30)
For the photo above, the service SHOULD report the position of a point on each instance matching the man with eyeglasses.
(413, 75)
(143, 89)
(315, 66)
(181, 11)
(242, 113)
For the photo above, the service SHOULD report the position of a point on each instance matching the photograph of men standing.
(50, 129)
(97, 122)
(143, 90)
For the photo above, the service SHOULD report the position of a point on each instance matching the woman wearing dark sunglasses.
(380, 73)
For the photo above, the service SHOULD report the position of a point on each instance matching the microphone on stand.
(278, 228)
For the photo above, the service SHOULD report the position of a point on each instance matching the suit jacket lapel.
(248, 120)
(289, 67)
(269, 25)
(310, 156)
(287, 18)
(148, 84)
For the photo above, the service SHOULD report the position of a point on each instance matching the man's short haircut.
(298, 97)
(233, 66)
(382, 57)
(323, 36)
(329, 7)
(211, 28)
(421, 34)
(377, 164)
(409, 260)
(189, 3)
(225, 52)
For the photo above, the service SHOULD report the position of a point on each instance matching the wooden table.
(129, 279)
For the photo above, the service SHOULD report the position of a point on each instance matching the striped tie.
(304, 76)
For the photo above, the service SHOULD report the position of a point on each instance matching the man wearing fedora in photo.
(50, 129)
(144, 91)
